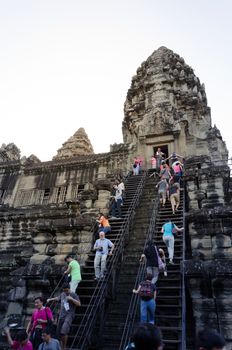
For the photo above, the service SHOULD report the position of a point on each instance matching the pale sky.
(66, 64)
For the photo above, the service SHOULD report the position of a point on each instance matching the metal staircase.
(87, 327)
(170, 310)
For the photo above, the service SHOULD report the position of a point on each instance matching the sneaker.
(96, 278)
(165, 273)
(112, 218)
(171, 262)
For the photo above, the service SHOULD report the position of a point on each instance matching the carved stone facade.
(47, 208)
(77, 145)
(166, 105)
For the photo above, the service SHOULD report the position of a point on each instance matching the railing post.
(114, 275)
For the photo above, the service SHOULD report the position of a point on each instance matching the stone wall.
(209, 226)
(48, 210)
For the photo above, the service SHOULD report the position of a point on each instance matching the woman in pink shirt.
(38, 322)
(21, 343)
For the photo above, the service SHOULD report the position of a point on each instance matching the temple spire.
(77, 145)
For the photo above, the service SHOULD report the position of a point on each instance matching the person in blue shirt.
(168, 229)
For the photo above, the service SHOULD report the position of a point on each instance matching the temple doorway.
(164, 149)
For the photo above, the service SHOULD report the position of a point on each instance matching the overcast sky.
(66, 64)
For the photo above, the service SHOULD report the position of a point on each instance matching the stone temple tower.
(166, 106)
(76, 145)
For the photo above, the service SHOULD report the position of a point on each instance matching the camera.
(100, 249)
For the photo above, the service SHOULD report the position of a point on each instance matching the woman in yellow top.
(104, 225)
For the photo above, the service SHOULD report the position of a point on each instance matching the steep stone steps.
(88, 287)
(117, 312)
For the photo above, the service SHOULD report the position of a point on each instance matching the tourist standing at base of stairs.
(147, 294)
(74, 270)
(168, 229)
(150, 253)
(68, 301)
(146, 336)
(101, 247)
(210, 340)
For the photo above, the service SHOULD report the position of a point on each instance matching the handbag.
(161, 264)
(50, 324)
(36, 338)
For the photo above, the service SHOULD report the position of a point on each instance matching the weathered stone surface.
(76, 145)
(9, 152)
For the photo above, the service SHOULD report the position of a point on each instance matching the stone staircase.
(169, 289)
(88, 288)
(117, 311)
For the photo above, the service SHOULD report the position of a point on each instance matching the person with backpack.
(147, 293)
(168, 237)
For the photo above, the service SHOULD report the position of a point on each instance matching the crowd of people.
(148, 337)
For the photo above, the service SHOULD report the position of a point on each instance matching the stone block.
(221, 241)
(103, 194)
(191, 186)
(38, 259)
(59, 259)
(89, 203)
(84, 248)
(40, 248)
(193, 204)
(204, 242)
(222, 253)
(66, 248)
(17, 294)
(68, 237)
(42, 237)
(101, 204)
(14, 308)
(85, 237)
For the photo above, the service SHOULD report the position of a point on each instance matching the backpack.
(146, 291)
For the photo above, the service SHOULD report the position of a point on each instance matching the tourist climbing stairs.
(170, 301)
(94, 295)
(117, 311)
(170, 289)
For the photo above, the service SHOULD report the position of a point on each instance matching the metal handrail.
(183, 313)
(133, 307)
(53, 304)
(86, 326)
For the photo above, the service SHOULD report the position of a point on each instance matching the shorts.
(174, 198)
(64, 324)
(73, 285)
